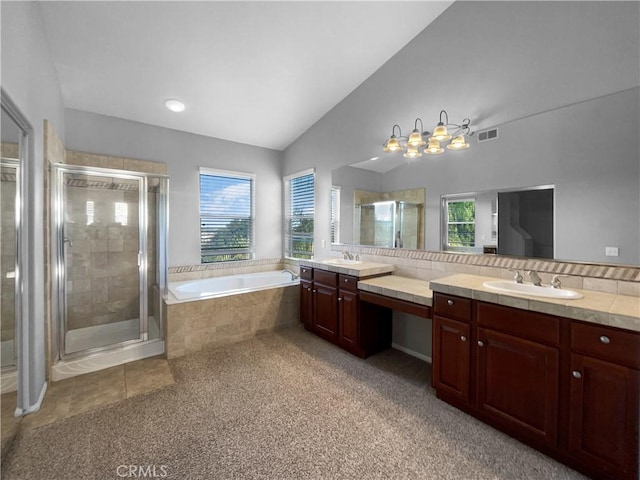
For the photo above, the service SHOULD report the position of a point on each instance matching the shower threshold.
(96, 337)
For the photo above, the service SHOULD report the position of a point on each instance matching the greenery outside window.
(461, 223)
(299, 214)
(226, 216)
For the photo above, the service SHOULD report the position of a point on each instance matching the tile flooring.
(86, 392)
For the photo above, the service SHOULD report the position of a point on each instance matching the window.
(121, 215)
(335, 214)
(299, 214)
(461, 223)
(226, 216)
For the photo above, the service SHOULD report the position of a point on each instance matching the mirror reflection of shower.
(390, 224)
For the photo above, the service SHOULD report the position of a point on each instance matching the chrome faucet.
(555, 281)
(347, 255)
(535, 278)
(517, 277)
(293, 275)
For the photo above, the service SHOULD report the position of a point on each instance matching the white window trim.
(285, 180)
(231, 174)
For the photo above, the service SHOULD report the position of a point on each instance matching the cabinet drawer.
(326, 278)
(306, 272)
(521, 323)
(606, 343)
(451, 306)
(347, 282)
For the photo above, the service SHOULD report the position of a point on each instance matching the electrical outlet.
(611, 251)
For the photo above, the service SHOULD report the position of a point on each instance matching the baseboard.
(411, 352)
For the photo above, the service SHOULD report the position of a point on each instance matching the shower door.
(101, 242)
(9, 181)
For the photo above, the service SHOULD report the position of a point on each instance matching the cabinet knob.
(339, 299)
(314, 291)
(604, 339)
(449, 302)
(480, 343)
(463, 338)
(576, 374)
(346, 280)
(308, 289)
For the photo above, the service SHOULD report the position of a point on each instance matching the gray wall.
(502, 61)
(184, 153)
(29, 78)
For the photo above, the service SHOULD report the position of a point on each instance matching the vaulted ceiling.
(259, 73)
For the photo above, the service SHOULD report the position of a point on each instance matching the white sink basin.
(530, 289)
(340, 261)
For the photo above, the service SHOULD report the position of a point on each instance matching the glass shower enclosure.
(109, 242)
(391, 224)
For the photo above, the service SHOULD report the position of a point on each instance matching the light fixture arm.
(415, 125)
(446, 116)
(393, 131)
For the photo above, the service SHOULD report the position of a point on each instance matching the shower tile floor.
(86, 392)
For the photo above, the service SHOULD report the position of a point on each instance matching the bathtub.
(230, 285)
(213, 312)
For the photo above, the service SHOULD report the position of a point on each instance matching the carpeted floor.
(283, 405)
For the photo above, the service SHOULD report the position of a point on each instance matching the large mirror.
(593, 190)
(508, 222)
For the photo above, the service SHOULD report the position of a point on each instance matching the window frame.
(287, 237)
(334, 212)
(215, 172)
(445, 223)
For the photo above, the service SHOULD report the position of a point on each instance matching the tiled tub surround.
(225, 319)
(223, 269)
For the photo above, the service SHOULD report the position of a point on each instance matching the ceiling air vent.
(488, 135)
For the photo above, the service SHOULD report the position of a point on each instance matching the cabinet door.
(348, 320)
(306, 303)
(518, 383)
(451, 357)
(603, 415)
(325, 317)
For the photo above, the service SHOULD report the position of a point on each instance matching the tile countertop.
(620, 311)
(364, 269)
(402, 288)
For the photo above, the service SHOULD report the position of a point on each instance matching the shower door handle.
(68, 240)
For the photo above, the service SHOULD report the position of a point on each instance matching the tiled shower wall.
(102, 264)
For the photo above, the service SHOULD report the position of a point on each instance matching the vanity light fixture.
(411, 144)
(174, 105)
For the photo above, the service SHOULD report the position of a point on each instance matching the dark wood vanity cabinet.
(517, 370)
(604, 399)
(325, 304)
(568, 388)
(330, 307)
(452, 347)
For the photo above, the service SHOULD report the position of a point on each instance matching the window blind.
(300, 209)
(226, 217)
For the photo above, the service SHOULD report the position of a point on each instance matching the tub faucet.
(293, 275)
(535, 278)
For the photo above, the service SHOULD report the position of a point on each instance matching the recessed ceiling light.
(174, 105)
